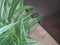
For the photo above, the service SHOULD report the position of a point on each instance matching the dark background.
(50, 9)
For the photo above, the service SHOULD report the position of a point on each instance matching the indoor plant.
(14, 25)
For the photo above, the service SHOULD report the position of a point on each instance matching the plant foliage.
(14, 25)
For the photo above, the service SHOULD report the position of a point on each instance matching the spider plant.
(14, 25)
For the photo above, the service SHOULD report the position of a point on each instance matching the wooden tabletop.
(42, 35)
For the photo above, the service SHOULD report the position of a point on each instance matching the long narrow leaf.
(2, 8)
(31, 23)
(13, 7)
(20, 10)
(23, 36)
(28, 14)
(7, 27)
(21, 3)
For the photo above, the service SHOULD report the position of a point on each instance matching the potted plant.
(14, 25)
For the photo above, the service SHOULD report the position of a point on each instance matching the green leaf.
(30, 43)
(6, 10)
(5, 39)
(7, 27)
(12, 9)
(23, 36)
(1, 24)
(28, 14)
(31, 23)
(20, 10)
(2, 8)
(21, 3)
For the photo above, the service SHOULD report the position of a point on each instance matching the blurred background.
(50, 10)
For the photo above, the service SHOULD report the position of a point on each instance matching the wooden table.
(42, 35)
